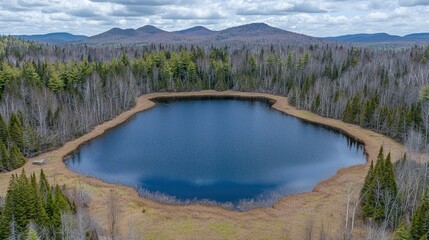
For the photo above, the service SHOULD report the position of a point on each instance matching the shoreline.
(291, 210)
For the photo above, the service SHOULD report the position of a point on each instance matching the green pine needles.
(12, 143)
(382, 203)
(31, 204)
(379, 191)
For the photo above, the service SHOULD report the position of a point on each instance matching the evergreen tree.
(192, 72)
(55, 83)
(2, 167)
(44, 186)
(401, 233)
(366, 195)
(16, 158)
(4, 227)
(24, 205)
(41, 217)
(53, 211)
(18, 206)
(61, 201)
(419, 221)
(389, 176)
(379, 190)
(32, 234)
(31, 76)
(15, 131)
(3, 130)
(4, 157)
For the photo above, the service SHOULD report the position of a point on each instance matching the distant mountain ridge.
(249, 33)
(58, 38)
(380, 37)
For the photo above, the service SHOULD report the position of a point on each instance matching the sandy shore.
(324, 205)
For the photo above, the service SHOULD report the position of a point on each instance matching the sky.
(314, 17)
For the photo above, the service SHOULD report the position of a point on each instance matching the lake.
(218, 150)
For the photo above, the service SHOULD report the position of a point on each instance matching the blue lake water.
(219, 150)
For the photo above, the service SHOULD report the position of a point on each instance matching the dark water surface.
(220, 150)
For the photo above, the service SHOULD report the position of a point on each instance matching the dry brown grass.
(159, 221)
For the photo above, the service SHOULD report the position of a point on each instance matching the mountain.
(249, 33)
(149, 29)
(417, 37)
(143, 35)
(197, 31)
(58, 38)
(260, 32)
(254, 29)
(380, 37)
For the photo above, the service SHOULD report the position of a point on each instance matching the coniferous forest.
(52, 94)
(32, 209)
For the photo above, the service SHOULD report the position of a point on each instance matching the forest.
(33, 209)
(50, 95)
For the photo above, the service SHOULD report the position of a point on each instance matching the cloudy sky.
(314, 17)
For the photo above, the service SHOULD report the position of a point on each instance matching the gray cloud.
(32, 3)
(11, 19)
(136, 11)
(84, 13)
(140, 2)
(410, 3)
(296, 8)
(191, 16)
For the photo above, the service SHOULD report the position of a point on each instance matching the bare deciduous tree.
(113, 210)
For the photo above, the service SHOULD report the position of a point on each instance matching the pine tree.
(192, 72)
(3, 130)
(31, 76)
(401, 233)
(379, 189)
(44, 186)
(56, 212)
(55, 83)
(4, 227)
(15, 131)
(61, 200)
(41, 217)
(348, 116)
(419, 221)
(24, 205)
(366, 195)
(17, 206)
(32, 234)
(16, 158)
(49, 206)
(389, 176)
(4, 156)
(378, 203)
